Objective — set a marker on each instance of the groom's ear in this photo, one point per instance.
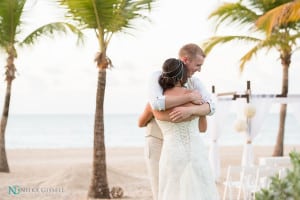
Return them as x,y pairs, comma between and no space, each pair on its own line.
184,59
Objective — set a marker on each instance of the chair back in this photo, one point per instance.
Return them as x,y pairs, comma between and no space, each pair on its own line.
275,161
241,179
263,176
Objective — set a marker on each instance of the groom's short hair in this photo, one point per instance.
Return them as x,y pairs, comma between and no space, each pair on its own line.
191,51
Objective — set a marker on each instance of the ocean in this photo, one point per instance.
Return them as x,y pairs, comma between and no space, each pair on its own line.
121,130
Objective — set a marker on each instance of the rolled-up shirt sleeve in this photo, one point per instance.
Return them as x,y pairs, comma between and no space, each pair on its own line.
156,97
198,85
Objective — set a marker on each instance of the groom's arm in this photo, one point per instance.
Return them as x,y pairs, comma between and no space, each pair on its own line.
181,113
198,85
162,102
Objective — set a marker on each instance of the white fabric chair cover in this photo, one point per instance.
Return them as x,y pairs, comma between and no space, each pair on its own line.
214,130
262,107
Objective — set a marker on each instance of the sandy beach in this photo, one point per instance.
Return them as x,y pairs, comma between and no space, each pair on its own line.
64,174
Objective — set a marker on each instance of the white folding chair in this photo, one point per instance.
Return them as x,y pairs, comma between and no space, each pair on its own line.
239,180
264,174
263,177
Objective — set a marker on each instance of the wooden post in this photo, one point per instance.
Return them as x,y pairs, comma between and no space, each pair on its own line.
248,91
248,85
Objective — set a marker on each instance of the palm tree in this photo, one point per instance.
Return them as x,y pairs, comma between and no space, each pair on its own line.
283,39
105,17
281,15
11,12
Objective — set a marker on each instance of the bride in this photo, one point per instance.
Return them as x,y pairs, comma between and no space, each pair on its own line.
184,171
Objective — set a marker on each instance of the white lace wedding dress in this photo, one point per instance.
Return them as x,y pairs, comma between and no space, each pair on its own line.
184,170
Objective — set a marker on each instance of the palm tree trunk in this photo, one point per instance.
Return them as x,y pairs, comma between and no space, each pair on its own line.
99,185
3,159
10,76
279,147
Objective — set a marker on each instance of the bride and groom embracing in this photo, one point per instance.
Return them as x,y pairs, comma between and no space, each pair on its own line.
176,156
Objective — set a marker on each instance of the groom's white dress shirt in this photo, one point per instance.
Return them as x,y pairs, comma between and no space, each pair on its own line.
157,99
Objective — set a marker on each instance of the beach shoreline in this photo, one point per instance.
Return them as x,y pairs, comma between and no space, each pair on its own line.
66,173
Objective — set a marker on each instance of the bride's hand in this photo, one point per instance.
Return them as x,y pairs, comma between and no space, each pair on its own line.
179,114
196,97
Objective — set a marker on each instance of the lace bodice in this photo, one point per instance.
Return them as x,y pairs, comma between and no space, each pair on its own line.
184,129
180,133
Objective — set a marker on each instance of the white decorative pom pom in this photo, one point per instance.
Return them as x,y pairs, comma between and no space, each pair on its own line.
240,125
249,111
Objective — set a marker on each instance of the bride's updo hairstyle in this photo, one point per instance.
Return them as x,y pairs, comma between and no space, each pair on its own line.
173,71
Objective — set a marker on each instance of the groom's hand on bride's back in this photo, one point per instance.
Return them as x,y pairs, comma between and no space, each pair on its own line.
185,113
180,114
196,97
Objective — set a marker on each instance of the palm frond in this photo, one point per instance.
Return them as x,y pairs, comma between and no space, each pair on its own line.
233,13
264,6
248,56
10,20
127,11
280,16
81,11
210,43
50,29
267,44
111,15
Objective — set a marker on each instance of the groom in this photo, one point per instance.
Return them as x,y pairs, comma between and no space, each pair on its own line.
193,57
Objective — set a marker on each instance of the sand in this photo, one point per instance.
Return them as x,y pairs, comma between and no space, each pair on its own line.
65,174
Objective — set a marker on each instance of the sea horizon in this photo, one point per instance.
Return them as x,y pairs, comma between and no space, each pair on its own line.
38,131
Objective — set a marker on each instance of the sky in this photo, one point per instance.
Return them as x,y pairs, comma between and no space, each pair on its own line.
56,76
